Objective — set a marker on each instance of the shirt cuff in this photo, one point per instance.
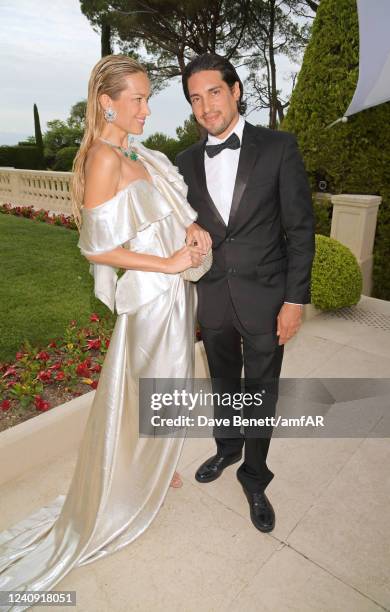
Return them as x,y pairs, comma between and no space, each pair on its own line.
294,303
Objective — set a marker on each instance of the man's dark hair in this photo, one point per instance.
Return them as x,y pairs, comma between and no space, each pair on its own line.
211,61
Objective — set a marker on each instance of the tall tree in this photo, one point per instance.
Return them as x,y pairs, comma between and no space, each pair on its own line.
105,38
273,30
38,137
76,117
98,15
165,34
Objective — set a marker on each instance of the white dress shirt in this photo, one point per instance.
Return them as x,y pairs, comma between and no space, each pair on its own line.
221,172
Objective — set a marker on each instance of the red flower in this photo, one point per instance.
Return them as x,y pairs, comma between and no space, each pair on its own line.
94,317
41,404
43,356
60,375
9,372
83,370
55,366
96,368
107,343
44,375
52,345
94,344
73,323
10,384
94,384
5,405
19,355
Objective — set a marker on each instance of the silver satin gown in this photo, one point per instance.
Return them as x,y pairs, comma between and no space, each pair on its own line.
120,479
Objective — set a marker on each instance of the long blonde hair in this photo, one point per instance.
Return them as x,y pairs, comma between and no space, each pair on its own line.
107,77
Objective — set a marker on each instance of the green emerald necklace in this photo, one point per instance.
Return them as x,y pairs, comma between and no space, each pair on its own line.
126,151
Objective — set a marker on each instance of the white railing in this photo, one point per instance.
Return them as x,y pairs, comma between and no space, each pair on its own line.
38,188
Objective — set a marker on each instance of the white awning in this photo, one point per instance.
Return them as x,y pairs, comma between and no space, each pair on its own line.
373,86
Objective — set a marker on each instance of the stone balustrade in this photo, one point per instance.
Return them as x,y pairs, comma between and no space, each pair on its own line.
37,188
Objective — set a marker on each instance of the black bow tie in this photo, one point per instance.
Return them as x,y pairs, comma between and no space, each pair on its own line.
233,142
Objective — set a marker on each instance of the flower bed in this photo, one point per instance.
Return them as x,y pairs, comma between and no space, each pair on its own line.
41,378
44,377
39,215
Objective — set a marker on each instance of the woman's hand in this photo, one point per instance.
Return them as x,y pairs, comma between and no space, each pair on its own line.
184,258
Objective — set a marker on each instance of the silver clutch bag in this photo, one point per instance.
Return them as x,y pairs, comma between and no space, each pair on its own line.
194,274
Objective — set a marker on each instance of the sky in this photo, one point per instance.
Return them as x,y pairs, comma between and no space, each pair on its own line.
47,51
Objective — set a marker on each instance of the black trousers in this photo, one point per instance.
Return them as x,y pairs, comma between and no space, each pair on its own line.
228,349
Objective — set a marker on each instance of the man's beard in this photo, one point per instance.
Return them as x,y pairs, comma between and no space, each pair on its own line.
219,129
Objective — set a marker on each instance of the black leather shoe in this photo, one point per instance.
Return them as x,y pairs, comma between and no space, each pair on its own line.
262,512
212,468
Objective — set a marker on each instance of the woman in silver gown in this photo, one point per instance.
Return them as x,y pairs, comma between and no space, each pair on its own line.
134,216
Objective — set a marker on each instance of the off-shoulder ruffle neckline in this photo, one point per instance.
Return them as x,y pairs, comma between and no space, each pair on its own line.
119,193
165,178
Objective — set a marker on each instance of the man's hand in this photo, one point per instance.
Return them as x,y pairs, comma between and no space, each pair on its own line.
198,237
289,321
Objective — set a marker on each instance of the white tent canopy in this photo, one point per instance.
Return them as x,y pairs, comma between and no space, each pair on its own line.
373,86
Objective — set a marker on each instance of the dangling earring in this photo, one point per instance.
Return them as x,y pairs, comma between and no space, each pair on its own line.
110,115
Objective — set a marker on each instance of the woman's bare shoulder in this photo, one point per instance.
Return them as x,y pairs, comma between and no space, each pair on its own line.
102,173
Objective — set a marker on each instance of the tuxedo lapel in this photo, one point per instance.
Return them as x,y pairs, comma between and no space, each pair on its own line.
249,153
200,174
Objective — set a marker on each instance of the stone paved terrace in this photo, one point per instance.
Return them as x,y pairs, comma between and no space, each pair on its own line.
330,549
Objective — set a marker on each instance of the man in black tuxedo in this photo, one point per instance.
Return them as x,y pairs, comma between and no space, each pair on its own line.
249,187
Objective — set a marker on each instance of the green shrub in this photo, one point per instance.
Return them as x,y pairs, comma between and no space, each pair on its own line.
163,143
25,157
187,135
64,159
353,157
336,277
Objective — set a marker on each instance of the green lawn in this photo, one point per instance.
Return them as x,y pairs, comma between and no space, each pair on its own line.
45,283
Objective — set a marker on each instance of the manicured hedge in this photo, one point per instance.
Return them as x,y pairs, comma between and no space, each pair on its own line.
353,157
23,157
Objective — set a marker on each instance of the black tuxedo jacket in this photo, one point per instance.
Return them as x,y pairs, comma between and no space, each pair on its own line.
264,255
